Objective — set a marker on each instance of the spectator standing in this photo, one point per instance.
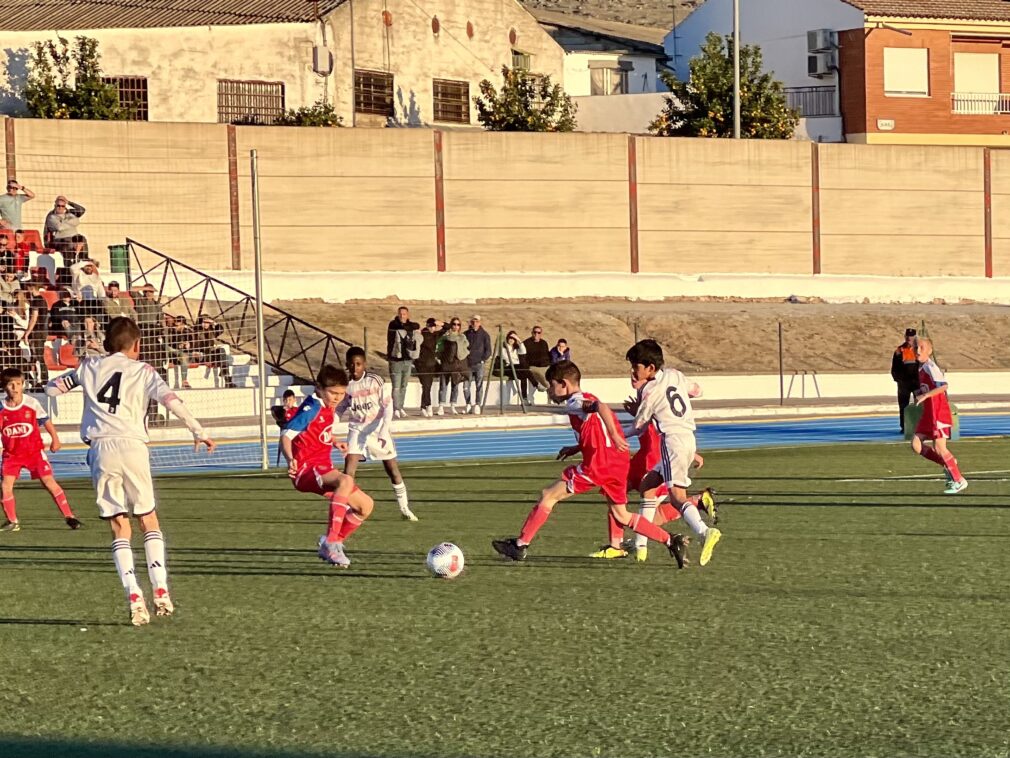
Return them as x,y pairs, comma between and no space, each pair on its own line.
561,352
20,316
151,323
11,202
206,348
87,287
116,304
538,360
38,330
61,230
402,349
455,370
9,285
426,365
479,345
178,346
905,373
511,366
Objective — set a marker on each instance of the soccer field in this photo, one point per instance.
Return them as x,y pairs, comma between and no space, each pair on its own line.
850,610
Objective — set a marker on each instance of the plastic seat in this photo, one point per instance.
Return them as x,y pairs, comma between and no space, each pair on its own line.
68,357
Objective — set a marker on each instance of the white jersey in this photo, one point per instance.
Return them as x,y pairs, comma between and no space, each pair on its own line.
665,402
368,401
117,390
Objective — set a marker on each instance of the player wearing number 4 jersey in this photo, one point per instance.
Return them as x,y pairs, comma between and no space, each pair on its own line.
117,388
665,403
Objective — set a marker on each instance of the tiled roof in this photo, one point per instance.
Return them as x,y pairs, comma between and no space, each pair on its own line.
46,15
977,10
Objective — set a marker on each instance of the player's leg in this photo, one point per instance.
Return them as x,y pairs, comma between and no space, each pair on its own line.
10,508
351,461
648,487
361,508
122,555
514,548
956,481
676,457
399,488
157,564
675,543
60,498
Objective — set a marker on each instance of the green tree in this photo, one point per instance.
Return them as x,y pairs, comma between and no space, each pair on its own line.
66,82
703,106
320,113
526,103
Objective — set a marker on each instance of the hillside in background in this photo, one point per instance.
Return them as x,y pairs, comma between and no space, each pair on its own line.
658,13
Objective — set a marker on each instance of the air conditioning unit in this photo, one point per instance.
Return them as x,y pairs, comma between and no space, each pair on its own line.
822,40
821,65
322,60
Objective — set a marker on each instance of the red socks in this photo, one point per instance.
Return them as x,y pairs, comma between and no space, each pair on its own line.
60,498
338,510
930,454
533,523
10,511
351,523
950,463
643,526
615,529
666,512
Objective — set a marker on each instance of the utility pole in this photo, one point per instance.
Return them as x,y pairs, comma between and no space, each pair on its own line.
736,69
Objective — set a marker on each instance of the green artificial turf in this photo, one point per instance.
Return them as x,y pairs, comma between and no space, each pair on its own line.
837,618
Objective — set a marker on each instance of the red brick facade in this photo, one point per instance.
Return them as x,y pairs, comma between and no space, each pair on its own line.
861,64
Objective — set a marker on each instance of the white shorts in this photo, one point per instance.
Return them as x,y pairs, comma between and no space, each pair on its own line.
121,473
676,456
370,445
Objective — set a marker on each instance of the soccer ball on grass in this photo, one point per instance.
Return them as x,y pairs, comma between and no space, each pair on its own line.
445,561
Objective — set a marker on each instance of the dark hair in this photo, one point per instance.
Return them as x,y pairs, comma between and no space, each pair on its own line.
354,352
563,370
10,373
645,353
121,334
19,231
331,376
562,339
288,393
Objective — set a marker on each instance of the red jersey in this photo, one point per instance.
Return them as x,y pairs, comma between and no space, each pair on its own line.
19,427
595,442
936,420
647,456
311,432
289,413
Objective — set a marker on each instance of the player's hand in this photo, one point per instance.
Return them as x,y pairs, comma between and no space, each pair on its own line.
918,398
631,406
567,452
341,446
55,445
208,443
622,445
292,468
698,461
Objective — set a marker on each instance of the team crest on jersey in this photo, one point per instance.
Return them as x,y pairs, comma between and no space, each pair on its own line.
326,435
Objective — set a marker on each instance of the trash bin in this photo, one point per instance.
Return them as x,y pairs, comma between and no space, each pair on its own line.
914,412
119,259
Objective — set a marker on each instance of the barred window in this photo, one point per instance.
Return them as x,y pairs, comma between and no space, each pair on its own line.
132,94
451,101
521,60
373,93
249,102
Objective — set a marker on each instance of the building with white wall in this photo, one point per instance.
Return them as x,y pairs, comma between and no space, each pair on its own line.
393,61
780,28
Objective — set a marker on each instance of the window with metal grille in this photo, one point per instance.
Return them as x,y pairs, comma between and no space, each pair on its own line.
132,94
521,60
451,101
249,102
373,93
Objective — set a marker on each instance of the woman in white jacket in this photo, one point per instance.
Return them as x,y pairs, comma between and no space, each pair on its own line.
512,363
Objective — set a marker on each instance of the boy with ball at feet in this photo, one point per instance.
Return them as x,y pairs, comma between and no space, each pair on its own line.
604,466
307,444
936,422
117,389
20,417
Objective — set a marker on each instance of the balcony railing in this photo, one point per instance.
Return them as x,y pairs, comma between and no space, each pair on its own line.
812,102
980,103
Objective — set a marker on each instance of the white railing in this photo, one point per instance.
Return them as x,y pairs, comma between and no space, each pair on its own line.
980,103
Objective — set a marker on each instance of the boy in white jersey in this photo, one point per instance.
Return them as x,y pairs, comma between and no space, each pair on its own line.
665,402
369,404
117,388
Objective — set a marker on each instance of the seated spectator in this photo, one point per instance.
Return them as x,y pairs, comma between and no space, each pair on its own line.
561,352
206,349
117,304
38,330
9,285
20,316
61,232
87,287
22,251
510,365
64,316
178,346
89,341
6,254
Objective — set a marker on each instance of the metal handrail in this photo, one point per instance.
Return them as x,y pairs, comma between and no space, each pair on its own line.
222,306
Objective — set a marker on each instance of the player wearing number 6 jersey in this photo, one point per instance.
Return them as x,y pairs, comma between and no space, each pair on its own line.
665,403
117,388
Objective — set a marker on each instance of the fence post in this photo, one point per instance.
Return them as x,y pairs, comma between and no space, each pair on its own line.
439,205
364,339
987,204
633,201
782,373
815,205
236,236
10,145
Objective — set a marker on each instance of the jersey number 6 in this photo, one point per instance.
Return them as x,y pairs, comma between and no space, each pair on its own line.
109,393
677,404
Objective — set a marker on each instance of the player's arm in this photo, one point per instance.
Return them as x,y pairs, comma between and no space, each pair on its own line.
613,428
61,385
386,409
940,389
288,452
643,416
160,391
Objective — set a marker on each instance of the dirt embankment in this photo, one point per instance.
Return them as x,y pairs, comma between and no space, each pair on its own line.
711,336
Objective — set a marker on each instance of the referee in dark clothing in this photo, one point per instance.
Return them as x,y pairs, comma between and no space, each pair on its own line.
905,373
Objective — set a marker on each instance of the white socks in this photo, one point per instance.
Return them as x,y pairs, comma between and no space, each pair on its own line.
647,510
689,511
400,490
122,554
154,547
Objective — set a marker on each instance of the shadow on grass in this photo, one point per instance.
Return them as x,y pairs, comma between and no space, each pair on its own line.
32,747
51,622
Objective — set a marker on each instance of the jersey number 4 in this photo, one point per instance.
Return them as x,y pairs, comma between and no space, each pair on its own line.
677,404
109,393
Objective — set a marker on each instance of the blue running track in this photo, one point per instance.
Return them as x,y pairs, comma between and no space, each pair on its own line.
497,444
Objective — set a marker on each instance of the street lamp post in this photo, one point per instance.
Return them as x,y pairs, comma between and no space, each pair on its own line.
736,69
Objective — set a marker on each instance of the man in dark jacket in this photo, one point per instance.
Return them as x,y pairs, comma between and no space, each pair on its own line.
402,349
905,372
480,350
538,360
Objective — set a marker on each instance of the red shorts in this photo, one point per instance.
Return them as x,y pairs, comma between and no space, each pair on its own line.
310,479
612,482
935,427
38,465
640,466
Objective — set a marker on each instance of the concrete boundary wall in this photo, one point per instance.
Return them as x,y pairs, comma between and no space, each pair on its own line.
394,200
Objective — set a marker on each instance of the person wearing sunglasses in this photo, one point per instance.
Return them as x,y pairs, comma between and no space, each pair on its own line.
538,360
453,356
61,232
11,202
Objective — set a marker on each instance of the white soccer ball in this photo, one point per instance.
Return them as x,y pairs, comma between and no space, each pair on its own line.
445,561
